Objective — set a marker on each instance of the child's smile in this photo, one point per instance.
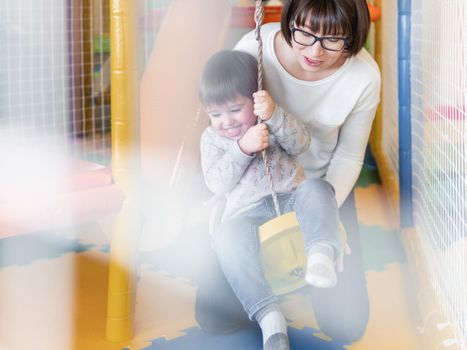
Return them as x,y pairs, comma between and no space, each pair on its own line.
233,118
233,132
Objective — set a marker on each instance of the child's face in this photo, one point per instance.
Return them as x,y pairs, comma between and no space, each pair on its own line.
233,118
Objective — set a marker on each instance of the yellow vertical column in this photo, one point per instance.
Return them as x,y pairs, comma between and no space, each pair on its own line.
389,179
376,135
125,165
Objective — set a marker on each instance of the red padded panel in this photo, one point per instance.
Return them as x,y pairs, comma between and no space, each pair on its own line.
77,175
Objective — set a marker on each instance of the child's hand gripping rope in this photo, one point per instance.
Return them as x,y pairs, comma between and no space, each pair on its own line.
256,139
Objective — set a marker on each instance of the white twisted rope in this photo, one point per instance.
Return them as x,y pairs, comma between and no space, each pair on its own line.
259,15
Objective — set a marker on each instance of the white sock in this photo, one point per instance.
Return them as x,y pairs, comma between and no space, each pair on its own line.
273,322
321,271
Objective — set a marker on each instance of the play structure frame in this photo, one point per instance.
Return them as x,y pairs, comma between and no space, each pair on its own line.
124,121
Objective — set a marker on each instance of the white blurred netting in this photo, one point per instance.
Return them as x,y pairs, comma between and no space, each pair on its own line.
439,111
54,81
389,80
55,72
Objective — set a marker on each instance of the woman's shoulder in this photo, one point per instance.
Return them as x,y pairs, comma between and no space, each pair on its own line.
248,42
270,28
364,66
365,79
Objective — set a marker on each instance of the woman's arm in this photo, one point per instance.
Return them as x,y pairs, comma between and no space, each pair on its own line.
347,160
346,163
222,168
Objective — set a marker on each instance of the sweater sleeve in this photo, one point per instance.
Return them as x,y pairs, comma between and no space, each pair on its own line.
346,163
293,134
222,167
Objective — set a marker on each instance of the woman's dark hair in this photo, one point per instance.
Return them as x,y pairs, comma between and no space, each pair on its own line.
333,17
226,74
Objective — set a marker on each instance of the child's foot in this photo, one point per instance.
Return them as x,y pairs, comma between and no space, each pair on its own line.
274,328
320,270
277,341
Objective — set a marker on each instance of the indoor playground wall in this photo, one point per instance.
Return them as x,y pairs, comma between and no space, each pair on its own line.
436,239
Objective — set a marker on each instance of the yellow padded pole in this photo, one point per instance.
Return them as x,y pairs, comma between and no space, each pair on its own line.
123,248
376,133
389,179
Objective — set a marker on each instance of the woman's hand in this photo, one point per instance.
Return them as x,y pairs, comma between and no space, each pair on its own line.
255,139
263,105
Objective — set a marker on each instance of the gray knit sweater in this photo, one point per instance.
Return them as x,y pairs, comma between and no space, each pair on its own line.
242,178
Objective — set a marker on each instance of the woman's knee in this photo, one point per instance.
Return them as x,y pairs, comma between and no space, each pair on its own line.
344,319
343,313
346,328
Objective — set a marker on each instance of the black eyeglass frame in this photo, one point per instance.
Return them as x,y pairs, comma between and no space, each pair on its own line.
320,39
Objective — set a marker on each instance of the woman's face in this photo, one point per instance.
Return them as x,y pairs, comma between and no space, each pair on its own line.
315,60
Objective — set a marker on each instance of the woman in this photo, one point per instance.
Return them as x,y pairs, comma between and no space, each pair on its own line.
316,69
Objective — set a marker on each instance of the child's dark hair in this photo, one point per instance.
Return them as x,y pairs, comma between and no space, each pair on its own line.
226,74
332,17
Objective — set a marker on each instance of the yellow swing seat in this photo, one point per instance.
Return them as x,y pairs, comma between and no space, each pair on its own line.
283,253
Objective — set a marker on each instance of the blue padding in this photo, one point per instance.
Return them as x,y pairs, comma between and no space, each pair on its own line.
404,87
405,129
403,45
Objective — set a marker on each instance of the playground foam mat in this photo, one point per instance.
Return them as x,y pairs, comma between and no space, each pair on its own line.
54,289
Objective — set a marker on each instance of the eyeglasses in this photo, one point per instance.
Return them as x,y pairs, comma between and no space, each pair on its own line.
330,43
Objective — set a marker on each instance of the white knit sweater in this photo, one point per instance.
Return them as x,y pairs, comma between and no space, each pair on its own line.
339,109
